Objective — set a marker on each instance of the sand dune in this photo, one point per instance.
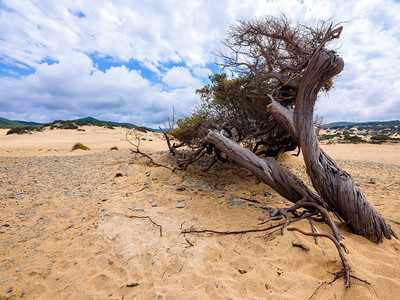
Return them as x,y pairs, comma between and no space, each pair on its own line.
71,228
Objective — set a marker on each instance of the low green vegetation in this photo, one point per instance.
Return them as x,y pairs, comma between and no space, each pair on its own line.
354,139
382,137
370,132
188,129
24,129
20,127
80,146
142,129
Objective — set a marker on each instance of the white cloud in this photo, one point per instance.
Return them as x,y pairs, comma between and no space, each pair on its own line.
179,77
160,35
73,88
201,72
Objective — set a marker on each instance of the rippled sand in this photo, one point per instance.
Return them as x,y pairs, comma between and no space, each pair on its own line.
68,230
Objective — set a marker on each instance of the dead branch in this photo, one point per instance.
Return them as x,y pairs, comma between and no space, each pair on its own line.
137,151
172,148
147,217
294,244
230,232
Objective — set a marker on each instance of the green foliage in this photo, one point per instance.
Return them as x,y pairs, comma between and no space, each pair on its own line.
382,137
240,102
142,129
80,146
5,123
74,124
329,136
187,130
24,129
354,139
61,124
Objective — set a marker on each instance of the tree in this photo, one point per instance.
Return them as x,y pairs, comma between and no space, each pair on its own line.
280,70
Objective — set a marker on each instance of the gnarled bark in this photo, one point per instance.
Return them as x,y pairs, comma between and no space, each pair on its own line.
267,170
335,186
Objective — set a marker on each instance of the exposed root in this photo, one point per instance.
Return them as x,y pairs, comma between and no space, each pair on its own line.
337,276
346,269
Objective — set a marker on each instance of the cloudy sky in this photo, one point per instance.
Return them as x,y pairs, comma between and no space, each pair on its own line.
132,60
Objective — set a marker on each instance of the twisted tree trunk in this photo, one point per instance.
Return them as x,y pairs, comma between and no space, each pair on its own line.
267,170
335,186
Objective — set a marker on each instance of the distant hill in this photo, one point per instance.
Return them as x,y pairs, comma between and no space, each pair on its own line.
106,122
366,132
5,123
23,126
335,124
370,125
29,123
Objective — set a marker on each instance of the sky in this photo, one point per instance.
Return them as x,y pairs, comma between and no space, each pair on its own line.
132,61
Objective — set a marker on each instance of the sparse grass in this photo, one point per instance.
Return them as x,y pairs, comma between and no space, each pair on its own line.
80,146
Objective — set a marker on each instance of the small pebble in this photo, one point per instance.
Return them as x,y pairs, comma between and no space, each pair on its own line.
181,188
180,205
137,208
10,290
275,212
154,205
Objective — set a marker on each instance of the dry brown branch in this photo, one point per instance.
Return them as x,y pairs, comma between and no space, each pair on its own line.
294,244
230,232
147,217
346,268
137,151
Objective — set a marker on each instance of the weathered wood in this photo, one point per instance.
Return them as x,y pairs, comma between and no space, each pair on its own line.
333,184
267,170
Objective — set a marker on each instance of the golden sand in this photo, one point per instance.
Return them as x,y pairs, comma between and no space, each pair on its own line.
70,228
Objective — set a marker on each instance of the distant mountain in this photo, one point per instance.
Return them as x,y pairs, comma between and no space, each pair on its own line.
370,125
334,124
29,123
106,122
5,123
366,132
